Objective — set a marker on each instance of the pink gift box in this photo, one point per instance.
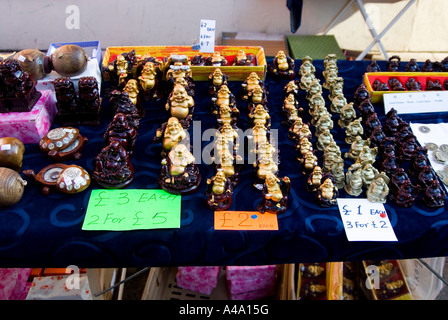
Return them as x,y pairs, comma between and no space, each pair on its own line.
193,285
31,126
13,283
253,295
209,280
203,275
236,286
250,272
60,287
202,271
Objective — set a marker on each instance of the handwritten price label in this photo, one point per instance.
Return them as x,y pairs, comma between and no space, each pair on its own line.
207,36
121,210
245,220
365,221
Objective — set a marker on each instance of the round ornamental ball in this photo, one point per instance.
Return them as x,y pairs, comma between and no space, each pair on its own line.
32,61
11,153
69,60
12,187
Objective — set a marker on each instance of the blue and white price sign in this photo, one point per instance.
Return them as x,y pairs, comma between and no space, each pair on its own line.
365,221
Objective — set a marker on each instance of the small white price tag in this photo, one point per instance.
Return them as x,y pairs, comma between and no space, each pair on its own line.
207,36
365,221
5,147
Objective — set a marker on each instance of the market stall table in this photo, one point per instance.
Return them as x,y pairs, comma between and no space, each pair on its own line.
45,231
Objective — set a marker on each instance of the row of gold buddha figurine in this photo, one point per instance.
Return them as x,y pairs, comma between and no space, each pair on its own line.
224,107
225,157
179,173
275,189
150,72
129,65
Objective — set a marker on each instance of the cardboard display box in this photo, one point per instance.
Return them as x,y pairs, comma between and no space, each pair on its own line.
92,49
392,284
329,281
271,44
200,73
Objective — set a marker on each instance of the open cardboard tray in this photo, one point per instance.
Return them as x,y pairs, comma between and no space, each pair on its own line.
332,279
396,274
403,77
200,73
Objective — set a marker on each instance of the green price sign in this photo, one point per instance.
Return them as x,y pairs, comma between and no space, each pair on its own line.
121,210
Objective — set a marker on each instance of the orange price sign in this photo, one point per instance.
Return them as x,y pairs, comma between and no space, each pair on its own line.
245,220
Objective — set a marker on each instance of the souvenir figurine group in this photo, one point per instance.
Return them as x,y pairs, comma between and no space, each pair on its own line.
385,156
324,176
392,164
394,64
227,159
113,167
412,82
179,173
385,160
78,108
264,152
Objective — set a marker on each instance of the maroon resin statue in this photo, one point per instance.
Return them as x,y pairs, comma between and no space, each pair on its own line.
89,101
434,195
17,90
113,167
121,103
66,101
120,130
407,194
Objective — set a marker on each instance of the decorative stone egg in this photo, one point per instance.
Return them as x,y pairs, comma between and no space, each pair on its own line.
69,60
12,187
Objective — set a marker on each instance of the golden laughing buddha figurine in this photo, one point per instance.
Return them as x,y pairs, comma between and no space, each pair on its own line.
180,105
283,66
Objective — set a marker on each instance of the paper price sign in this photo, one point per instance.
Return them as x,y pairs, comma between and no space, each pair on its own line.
121,210
416,102
207,36
365,221
245,220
